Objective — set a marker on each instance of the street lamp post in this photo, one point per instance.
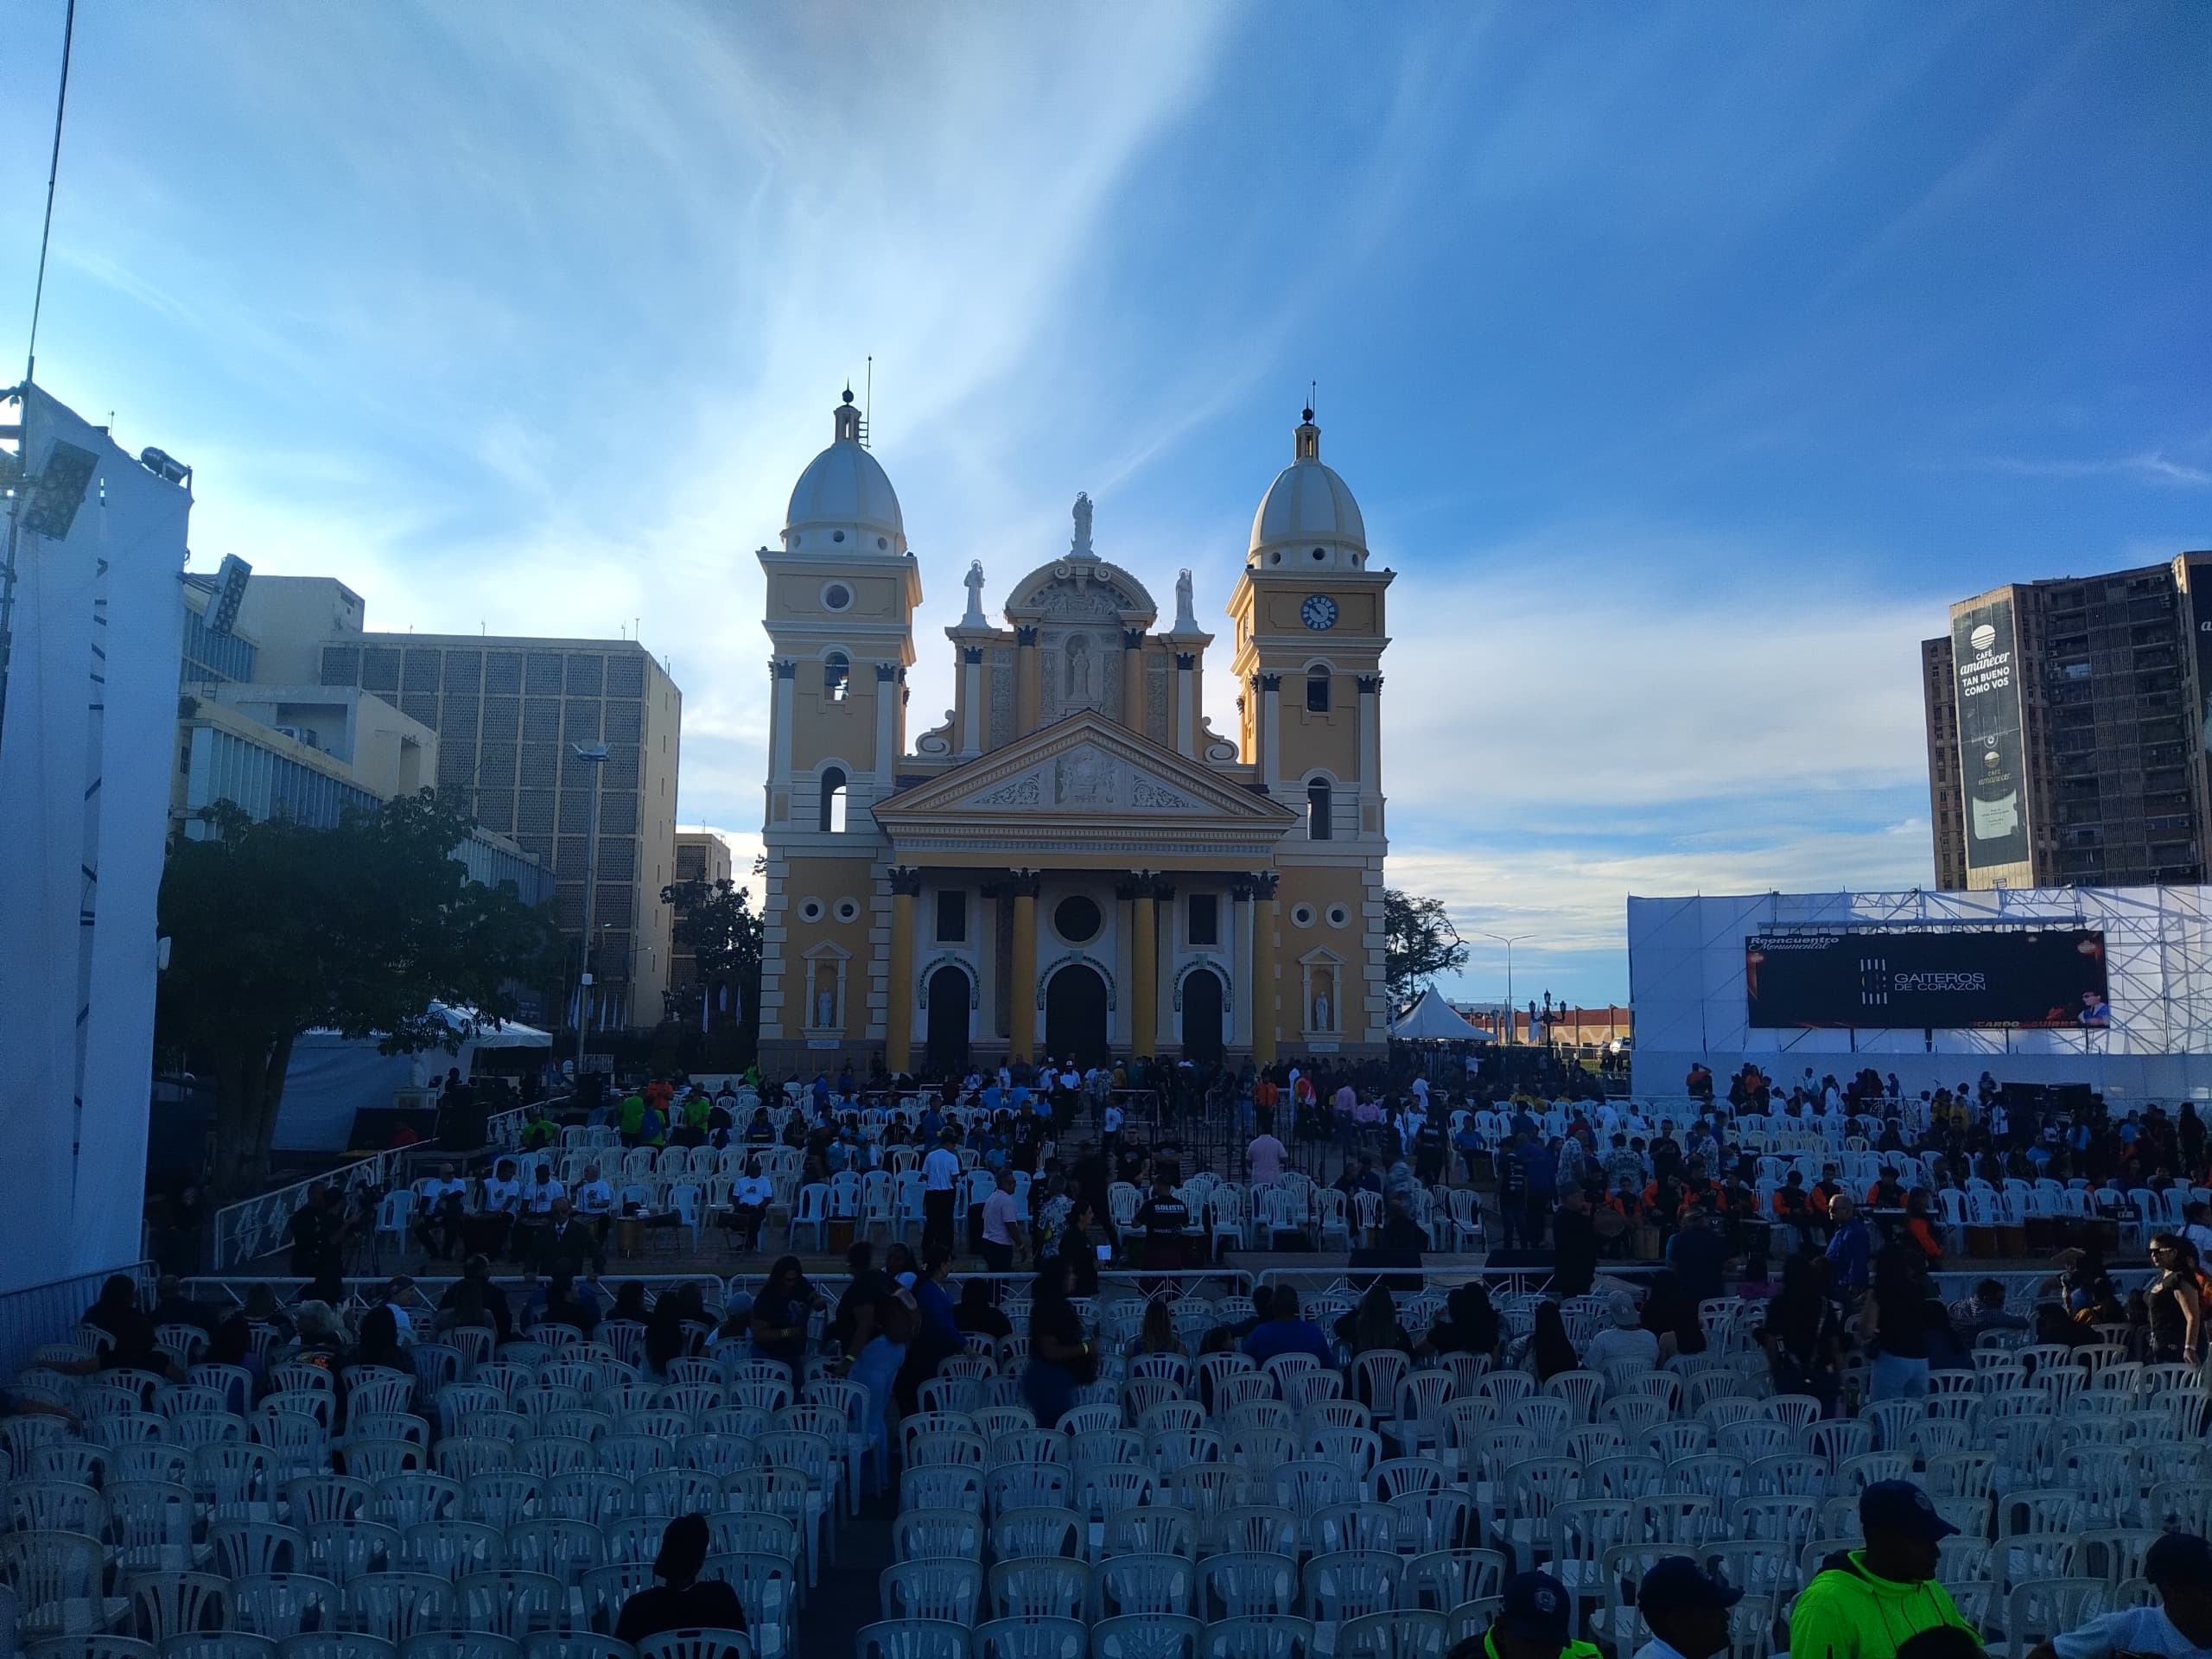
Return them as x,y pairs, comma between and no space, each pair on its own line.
594,756
1506,1034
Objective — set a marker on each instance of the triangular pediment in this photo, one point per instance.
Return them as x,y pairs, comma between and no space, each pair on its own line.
1085,767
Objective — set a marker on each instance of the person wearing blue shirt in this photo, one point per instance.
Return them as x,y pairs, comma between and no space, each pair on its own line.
1851,1249
1286,1331
1541,1164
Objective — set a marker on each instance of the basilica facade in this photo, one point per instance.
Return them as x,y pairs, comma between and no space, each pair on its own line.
1074,864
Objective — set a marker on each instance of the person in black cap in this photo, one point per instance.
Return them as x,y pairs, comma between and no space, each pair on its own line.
2180,1566
1687,1608
680,1601
1865,1604
1536,1620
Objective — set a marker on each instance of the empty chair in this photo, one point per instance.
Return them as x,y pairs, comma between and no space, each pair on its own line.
1030,1638
951,1590
164,1605
1239,1585
937,1534
1040,1587
1283,1638
281,1604
1352,1584
336,1644
396,1606
511,1602
1137,1637
917,1638
461,1645
1395,1636
1152,1584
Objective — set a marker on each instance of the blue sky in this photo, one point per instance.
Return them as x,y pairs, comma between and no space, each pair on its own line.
1686,360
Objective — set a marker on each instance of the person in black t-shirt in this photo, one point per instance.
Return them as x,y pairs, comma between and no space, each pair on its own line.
680,1601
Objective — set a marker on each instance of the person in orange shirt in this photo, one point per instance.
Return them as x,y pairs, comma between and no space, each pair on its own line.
1920,1227
1825,1190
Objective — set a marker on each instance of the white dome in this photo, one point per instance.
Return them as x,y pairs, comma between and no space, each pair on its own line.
844,499
1308,515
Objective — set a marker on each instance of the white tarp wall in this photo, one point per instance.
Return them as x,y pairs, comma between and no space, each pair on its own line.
1686,979
84,760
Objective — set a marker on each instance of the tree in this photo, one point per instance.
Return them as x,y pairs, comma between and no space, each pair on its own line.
716,921
1419,943
276,928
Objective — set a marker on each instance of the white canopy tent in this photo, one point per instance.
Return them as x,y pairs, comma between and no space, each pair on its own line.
332,1078
1433,1019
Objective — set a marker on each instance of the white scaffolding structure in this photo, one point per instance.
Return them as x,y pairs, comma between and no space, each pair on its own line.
1686,974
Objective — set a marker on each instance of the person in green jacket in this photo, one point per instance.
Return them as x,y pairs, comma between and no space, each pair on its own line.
1866,1604
633,1117
1536,1620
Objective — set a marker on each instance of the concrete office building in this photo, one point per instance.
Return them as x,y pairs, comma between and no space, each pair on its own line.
2067,731
705,857
507,714
301,750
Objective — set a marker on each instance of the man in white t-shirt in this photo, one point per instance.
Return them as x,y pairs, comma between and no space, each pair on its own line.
1111,1120
539,1197
1625,1338
749,1198
1266,1154
1001,1225
498,1202
439,1200
940,1176
2180,1566
594,1200
1420,1094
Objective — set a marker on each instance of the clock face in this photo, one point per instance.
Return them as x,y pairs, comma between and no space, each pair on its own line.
1319,612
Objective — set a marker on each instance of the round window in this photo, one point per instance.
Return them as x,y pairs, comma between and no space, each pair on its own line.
1077,920
847,910
1338,916
1320,552
810,910
836,596
1302,915
839,535
1275,558
883,540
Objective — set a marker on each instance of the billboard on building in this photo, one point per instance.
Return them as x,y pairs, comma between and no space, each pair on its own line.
2200,613
1952,980
1984,647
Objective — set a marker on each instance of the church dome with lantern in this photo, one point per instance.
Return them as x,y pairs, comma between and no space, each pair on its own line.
843,500
1308,519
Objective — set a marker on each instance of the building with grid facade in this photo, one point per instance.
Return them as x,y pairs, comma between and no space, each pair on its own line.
303,751
508,714
2067,731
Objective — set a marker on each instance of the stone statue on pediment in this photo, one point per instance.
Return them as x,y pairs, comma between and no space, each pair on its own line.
1080,547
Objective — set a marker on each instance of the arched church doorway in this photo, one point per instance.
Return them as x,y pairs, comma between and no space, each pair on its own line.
1075,1015
1202,1016
947,1055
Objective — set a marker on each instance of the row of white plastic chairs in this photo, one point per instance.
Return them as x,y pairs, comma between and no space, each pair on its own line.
428,1645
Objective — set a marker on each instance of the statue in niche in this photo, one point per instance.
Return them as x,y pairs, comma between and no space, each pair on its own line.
1323,982
825,998
1079,670
1080,547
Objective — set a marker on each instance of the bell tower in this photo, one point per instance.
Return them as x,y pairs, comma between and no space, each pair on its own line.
1310,634
841,591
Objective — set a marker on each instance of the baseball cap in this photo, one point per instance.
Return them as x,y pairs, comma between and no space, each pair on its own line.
1622,1308
1535,1607
2177,1557
1900,1506
1677,1584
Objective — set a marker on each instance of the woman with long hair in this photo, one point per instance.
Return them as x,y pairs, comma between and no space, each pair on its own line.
1547,1350
2174,1299
780,1315
664,1336
1157,1334
1803,1335
1061,1355
1469,1325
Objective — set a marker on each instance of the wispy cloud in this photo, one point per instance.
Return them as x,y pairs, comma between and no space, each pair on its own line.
2150,466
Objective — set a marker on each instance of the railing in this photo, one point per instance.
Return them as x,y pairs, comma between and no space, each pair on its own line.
504,1129
37,1314
256,1226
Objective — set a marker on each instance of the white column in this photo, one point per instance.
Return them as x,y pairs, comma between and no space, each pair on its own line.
1271,731
1186,713
1241,938
780,748
887,729
1370,740
971,700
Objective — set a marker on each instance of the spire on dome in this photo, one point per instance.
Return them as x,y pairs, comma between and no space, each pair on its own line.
845,419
